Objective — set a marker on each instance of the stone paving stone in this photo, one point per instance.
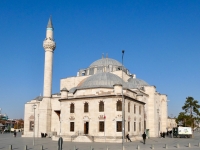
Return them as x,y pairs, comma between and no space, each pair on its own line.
18,143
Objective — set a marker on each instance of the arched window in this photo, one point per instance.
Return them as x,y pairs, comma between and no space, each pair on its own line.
101,106
134,108
86,107
129,107
72,108
119,105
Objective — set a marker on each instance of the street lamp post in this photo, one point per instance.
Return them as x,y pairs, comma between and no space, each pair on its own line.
123,113
60,119
158,122
38,125
104,127
34,107
10,125
172,125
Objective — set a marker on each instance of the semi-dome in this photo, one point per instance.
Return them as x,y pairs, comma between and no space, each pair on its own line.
105,62
72,90
39,98
136,83
104,79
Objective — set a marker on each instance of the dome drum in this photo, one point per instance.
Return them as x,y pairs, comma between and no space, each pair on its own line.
102,65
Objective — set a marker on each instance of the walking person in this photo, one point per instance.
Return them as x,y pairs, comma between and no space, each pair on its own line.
144,137
161,135
127,136
15,133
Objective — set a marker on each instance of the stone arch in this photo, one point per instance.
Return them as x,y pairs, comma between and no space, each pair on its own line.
72,107
71,118
86,119
118,118
86,107
101,106
129,106
31,118
119,105
102,117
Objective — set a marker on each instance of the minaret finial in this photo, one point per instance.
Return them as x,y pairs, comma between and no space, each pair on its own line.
106,55
50,25
102,55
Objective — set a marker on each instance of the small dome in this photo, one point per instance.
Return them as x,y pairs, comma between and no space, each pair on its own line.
39,98
106,62
136,83
104,79
64,89
72,90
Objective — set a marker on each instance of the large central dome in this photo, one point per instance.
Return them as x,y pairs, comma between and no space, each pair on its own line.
104,79
105,62
136,83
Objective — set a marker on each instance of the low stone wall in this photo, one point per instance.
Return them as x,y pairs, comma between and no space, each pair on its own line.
88,138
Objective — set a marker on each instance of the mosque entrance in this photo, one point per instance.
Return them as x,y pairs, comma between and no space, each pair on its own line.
86,127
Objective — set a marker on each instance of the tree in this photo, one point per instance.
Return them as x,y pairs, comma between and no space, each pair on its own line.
191,108
183,119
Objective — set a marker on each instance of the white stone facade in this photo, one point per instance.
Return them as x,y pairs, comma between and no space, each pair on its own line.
90,104
171,123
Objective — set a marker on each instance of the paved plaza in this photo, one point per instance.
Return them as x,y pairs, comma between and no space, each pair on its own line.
19,143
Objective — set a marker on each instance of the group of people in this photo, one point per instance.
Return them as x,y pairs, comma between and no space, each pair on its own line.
143,136
43,135
163,134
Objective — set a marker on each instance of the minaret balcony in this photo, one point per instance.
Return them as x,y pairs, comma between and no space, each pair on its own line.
49,44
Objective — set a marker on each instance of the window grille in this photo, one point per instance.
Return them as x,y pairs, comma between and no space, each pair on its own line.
119,126
101,106
31,125
72,108
86,107
72,126
119,106
134,126
134,109
101,126
129,107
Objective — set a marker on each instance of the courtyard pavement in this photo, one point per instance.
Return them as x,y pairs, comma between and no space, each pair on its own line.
19,143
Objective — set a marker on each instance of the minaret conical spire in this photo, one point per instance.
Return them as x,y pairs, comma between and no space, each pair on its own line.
49,46
50,25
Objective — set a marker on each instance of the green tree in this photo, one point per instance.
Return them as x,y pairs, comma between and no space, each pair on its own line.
191,108
181,119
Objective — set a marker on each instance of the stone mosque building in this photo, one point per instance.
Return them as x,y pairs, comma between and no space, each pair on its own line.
89,106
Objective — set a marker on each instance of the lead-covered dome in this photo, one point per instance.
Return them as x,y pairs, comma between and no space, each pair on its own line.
104,79
105,62
136,83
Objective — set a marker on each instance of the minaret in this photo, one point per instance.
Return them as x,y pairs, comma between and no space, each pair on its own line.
45,109
49,46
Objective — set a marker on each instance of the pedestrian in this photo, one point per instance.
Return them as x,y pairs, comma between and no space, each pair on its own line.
170,132
144,137
60,143
127,136
15,133
163,134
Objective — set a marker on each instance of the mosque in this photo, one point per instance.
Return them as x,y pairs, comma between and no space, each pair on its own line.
91,106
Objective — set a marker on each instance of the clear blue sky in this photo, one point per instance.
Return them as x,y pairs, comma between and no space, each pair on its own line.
161,40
